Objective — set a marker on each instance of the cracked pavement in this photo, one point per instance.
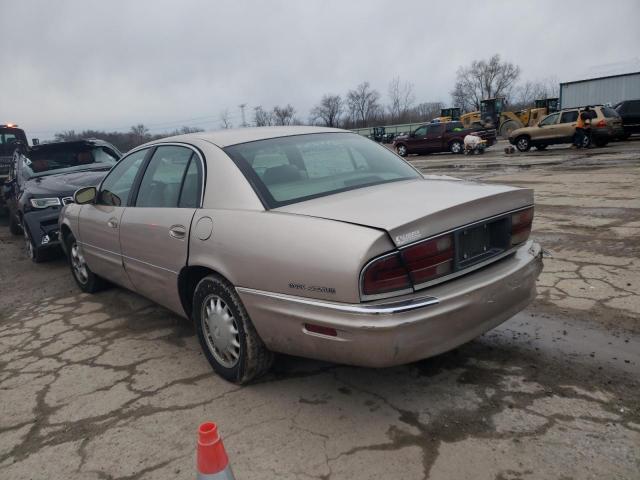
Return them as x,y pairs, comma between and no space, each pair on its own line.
112,386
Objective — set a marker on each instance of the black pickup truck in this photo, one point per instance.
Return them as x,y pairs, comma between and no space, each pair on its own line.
440,137
11,137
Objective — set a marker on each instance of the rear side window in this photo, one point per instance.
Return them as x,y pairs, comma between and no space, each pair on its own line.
568,117
610,112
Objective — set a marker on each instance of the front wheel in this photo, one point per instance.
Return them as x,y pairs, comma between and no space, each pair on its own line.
227,336
523,144
14,225
88,281
456,147
34,253
402,150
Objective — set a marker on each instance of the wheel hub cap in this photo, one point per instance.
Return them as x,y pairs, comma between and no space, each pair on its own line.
78,264
220,331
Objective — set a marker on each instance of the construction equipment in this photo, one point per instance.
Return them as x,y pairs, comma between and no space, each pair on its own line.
492,114
449,115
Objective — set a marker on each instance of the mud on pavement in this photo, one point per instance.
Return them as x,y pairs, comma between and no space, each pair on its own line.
111,386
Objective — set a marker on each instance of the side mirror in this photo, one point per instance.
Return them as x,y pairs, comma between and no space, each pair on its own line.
85,195
412,135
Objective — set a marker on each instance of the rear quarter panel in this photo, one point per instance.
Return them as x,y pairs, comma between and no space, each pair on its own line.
285,253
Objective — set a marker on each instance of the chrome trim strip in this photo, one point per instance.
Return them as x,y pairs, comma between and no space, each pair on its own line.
378,309
128,258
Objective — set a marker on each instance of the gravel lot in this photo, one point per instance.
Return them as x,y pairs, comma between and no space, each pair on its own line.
111,386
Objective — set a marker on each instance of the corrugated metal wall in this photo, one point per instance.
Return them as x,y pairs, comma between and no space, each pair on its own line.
604,90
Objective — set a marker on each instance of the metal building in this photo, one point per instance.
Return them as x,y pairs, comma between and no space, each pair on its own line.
594,91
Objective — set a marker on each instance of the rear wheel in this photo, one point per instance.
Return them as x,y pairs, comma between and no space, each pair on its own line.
601,142
402,150
456,147
227,336
541,147
523,143
88,281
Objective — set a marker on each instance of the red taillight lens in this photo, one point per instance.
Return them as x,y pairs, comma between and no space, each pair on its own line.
385,275
429,260
601,124
521,226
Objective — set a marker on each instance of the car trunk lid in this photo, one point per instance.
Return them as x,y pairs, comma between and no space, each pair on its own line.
416,209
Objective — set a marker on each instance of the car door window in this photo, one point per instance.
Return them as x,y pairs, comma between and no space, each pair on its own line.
116,187
549,120
434,130
569,117
162,180
420,132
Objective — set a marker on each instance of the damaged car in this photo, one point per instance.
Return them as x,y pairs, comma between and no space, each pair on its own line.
308,241
43,178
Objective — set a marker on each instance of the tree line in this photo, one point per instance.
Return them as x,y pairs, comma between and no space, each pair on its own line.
365,106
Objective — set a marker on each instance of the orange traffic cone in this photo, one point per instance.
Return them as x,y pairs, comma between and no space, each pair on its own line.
213,463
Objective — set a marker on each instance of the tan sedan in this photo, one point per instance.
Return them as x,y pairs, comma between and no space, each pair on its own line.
308,241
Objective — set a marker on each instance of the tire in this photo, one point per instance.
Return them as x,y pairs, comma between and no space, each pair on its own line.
35,254
227,336
88,281
456,147
523,144
541,147
601,143
14,225
507,127
402,150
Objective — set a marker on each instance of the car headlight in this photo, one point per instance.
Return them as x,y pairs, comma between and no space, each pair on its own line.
45,202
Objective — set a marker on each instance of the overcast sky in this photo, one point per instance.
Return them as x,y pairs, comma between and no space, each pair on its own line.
109,64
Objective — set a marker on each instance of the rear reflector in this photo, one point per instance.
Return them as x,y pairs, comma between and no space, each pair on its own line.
385,275
521,226
331,332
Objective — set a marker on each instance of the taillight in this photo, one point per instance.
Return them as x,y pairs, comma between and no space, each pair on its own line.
385,275
429,260
601,124
521,226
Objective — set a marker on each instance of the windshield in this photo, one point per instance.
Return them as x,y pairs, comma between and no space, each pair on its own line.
65,159
297,168
9,138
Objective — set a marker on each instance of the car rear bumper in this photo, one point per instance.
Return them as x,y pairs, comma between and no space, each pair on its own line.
404,330
607,132
43,227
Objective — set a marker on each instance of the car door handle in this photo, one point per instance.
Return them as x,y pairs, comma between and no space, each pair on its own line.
113,223
177,231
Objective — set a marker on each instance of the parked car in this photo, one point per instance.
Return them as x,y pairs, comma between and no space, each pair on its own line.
560,127
308,241
439,137
43,178
629,111
11,137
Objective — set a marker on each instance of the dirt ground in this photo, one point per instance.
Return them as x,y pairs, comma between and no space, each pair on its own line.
111,386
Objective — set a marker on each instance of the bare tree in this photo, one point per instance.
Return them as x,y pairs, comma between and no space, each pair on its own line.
484,79
139,134
225,119
328,111
262,117
363,103
401,99
427,110
527,93
284,115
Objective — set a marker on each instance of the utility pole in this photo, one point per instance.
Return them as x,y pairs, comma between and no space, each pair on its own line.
242,107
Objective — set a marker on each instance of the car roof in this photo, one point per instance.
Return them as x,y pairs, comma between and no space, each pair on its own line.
87,142
234,136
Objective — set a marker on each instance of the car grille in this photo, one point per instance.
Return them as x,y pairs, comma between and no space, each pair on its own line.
5,165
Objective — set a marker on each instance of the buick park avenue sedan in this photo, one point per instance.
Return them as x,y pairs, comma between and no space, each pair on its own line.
308,241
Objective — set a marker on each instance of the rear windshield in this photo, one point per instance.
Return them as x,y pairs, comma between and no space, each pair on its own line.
610,112
48,161
9,138
293,169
